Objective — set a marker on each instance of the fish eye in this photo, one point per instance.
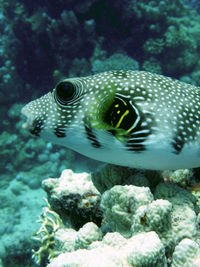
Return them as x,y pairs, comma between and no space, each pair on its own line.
65,92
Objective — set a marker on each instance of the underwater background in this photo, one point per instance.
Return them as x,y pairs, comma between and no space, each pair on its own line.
42,42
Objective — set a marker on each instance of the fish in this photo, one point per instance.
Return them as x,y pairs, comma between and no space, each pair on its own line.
130,118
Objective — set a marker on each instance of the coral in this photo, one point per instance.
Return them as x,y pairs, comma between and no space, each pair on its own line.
141,250
186,253
165,34
87,234
120,203
25,150
146,249
30,161
152,65
139,228
55,239
183,214
50,223
65,239
131,209
154,46
113,239
175,194
176,35
69,20
74,194
108,175
79,67
181,177
68,35
193,4
103,257
39,21
116,61
152,217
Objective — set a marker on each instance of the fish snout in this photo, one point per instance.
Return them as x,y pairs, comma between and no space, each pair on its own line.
29,118
32,123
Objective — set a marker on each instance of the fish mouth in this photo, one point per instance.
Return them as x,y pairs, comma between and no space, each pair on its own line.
29,118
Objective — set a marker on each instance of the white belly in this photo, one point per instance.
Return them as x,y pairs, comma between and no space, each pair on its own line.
157,156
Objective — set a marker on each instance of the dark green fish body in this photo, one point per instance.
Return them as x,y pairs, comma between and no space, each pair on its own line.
129,118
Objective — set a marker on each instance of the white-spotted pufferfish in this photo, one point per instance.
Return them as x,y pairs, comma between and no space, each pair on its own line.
129,118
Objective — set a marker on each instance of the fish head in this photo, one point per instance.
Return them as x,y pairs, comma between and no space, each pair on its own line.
54,111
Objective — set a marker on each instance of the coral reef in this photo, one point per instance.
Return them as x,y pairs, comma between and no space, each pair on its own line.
140,227
164,39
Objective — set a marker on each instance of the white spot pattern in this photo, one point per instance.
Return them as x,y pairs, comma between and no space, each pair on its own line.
170,108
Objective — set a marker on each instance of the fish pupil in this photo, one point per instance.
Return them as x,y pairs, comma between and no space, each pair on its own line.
65,92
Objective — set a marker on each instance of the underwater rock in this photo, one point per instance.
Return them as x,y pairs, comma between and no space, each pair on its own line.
74,194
